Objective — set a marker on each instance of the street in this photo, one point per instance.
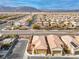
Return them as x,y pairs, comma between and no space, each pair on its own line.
19,50
40,32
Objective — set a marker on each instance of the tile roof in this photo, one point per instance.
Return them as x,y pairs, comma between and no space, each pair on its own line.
77,38
39,42
54,41
70,41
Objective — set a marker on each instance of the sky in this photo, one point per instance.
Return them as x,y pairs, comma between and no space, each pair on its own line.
43,4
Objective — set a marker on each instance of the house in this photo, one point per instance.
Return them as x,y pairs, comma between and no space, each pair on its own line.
72,24
39,45
39,23
77,38
46,23
53,24
55,45
72,44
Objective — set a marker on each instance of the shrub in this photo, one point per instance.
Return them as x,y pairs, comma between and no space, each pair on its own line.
35,26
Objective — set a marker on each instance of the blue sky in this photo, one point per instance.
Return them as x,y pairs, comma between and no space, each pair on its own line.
47,4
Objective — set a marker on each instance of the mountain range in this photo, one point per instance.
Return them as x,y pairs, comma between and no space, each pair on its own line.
32,9
18,9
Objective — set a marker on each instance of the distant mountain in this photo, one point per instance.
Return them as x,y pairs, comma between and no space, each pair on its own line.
60,10
32,9
18,9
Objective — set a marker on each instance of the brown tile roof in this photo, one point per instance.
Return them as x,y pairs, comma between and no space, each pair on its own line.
54,41
39,42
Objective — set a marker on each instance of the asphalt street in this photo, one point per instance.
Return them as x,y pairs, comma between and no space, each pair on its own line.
19,50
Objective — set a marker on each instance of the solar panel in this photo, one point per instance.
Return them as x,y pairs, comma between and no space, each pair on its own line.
73,44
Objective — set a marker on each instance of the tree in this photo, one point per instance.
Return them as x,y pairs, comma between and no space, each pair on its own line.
23,28
29,21
35,26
